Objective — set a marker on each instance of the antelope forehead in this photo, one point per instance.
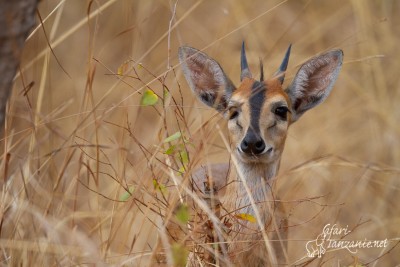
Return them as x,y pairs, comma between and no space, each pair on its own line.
256,102
257,96
263,96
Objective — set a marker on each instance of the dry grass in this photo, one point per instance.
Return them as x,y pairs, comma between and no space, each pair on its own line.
77,138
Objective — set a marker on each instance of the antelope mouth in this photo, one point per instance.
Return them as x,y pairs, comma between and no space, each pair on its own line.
265,155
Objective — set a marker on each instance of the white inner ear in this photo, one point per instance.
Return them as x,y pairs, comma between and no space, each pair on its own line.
314,81
202,72
314,77
205,77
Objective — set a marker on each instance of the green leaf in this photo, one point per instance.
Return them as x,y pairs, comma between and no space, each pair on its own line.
127,194
159,186
184,157
182,214
179,255
246,217
149,98
173,137
181,170
170,150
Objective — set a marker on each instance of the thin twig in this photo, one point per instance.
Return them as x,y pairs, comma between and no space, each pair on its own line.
169,35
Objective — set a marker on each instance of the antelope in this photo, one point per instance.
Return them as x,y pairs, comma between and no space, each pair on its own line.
258,114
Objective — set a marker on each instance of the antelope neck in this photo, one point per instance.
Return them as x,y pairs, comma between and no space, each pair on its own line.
257,177
255,173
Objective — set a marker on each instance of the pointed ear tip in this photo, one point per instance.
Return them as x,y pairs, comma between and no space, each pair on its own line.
183,49
338,54
340,51
186,51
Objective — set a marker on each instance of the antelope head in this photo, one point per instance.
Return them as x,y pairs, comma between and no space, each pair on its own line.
259,112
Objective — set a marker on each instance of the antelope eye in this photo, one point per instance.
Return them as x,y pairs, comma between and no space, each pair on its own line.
281,112
233,114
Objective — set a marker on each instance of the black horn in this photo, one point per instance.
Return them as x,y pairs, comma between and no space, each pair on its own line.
283,67
261,70
245,71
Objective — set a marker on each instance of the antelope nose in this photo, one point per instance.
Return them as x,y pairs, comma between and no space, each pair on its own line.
252,145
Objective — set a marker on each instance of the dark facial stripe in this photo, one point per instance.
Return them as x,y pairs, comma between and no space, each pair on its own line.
256,102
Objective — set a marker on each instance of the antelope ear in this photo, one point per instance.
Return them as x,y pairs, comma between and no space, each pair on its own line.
206,78
314,81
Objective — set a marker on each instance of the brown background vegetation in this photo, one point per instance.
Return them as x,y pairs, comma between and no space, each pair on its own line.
76,136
